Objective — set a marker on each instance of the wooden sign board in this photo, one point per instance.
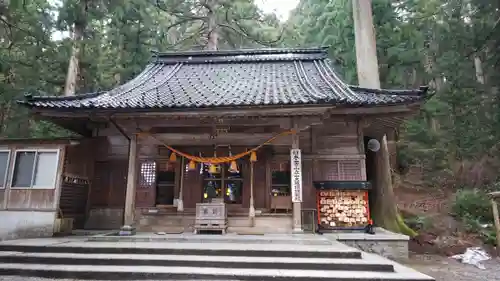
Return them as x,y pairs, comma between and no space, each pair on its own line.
296,171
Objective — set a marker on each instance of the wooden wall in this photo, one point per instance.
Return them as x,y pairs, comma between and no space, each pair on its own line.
330,152
30,199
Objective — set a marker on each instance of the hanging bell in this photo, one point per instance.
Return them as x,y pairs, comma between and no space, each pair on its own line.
192,165
233,168
253,157
173,157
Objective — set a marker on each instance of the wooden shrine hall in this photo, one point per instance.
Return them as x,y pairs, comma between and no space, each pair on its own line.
260,136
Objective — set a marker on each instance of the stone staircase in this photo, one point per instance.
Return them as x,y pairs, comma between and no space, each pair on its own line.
198,258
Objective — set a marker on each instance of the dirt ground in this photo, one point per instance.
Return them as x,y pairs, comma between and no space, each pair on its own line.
448,269
442,237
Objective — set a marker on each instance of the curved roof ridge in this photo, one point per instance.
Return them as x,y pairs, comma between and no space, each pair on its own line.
30,97
310,50
411,92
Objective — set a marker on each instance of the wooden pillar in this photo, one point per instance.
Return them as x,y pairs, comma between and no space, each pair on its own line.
297,206
496,218
180,202
251,209
131,182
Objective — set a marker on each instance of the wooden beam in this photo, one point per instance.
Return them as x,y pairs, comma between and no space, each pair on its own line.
233,139
496,218
222,112
261,112
296,206
281,122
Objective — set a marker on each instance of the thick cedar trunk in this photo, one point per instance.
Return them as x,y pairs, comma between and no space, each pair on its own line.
213,35
366,47
118,62
384,209
385,213
73,67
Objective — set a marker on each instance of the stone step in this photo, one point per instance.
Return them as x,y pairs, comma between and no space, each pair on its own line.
78,258
196,261
335,250
228,238
104,272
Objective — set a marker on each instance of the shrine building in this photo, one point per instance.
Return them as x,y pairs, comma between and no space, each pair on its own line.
264,135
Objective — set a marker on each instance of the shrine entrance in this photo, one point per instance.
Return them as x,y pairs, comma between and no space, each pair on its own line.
223,181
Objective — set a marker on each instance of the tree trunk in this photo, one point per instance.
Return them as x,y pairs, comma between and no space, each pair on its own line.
366,46
213,35
478,65
118,62
73,67
384,209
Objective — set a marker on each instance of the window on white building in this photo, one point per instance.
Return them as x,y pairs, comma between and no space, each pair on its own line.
4,164
35,168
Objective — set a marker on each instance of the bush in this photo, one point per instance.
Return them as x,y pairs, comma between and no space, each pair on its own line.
472,205
418,223
473,208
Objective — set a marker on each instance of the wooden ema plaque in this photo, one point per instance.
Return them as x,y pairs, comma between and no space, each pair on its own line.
342,205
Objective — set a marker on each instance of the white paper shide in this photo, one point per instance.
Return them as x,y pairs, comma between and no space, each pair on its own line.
296,170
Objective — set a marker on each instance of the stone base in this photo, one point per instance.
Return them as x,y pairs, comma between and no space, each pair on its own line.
26,224
127,230
104,218
385,243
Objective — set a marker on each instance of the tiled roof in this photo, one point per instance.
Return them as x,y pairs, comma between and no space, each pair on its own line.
232,78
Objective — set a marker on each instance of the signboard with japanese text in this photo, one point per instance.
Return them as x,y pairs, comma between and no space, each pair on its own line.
296,171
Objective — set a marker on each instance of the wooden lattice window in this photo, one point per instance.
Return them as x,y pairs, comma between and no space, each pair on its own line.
329,170
350,170
147,174
341,170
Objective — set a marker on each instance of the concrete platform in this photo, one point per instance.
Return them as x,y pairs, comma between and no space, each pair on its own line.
78,258
303,239
332,250
385,243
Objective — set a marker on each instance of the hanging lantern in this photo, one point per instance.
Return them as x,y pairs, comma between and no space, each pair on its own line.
192,165
233,168
253,157
212,169
173,157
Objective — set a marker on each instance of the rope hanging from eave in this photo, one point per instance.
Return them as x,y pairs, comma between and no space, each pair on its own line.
214,160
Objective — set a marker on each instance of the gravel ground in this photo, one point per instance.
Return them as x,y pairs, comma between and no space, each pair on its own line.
448,269
441,268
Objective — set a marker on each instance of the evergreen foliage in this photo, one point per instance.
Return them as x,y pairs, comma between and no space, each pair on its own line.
451,45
